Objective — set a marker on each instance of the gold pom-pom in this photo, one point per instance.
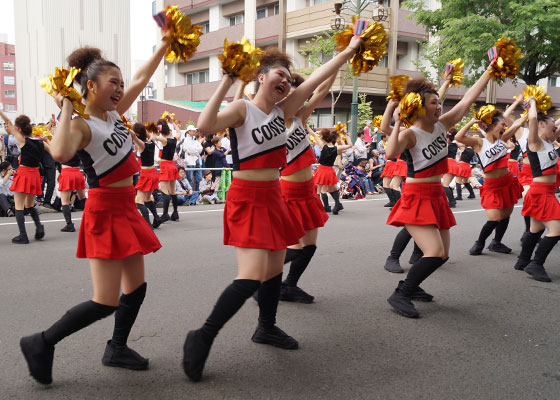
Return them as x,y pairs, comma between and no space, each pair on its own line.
240,59
398,82
544,102
186,36
507,65
126,122
61,83
168,116
340,129
151,128
411,107
485,114
312,139
41,130
377,121
474,127
457,73
374,46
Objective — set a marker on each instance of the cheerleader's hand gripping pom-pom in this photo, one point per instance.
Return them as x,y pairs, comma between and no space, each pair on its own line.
374,46
485,115
507,62
151,128
126,122
340,129
410,108
377,121
457,73
42,130
185,37
61,84
168,116
240,59
397,82
474,127
542,100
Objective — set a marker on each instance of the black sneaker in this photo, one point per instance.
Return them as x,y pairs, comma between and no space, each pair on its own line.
123,357
418,294
389,204
164,218
156,222
275,337
39,357
471,196
477,248
498,247
40,232
68,228
537,272
20,239
521,264
327,208
195,353
458,198
392,265
337,207
403,304
414,257
295,294
175,216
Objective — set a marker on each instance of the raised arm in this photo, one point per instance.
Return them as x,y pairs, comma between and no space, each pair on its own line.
71,134
534,141
212,119
240,90
399,141
11,129
318,95
461,136
385,125
139,144
177,129
511,108
318,139
445,86
519,122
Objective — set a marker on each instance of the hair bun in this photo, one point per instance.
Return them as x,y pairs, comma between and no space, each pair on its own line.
82,58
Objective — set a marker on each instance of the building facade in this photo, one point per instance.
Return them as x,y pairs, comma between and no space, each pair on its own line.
8,91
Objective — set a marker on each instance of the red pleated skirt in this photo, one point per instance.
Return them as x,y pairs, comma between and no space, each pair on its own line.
463,170
452,166
303,202
71,179
168,170
112,228
400,169
541,203
257,217
27,180
388,169
325,176
422,204
500,193
513,166
148,181
525,176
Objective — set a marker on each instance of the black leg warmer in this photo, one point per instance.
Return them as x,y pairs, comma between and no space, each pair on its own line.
501,229
268,298
544,248
152,207
144,211
486,230
129,305
34,215
291,254
470,189
166,200
528,246
298,266
422,269
175,202
20,219
459,192
67,214
399,244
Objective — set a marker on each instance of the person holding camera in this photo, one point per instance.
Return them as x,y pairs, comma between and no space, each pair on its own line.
6,195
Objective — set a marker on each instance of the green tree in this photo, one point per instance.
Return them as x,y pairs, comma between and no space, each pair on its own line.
468,28
365,113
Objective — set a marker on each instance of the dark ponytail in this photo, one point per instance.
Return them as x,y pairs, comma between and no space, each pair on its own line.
91,63
24,124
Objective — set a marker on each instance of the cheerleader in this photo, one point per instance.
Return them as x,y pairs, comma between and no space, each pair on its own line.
452,167
113,235
149,178
168,171
540,203
325,176
423,208
71,179
514,150
27,180
500,190
256,219
464,172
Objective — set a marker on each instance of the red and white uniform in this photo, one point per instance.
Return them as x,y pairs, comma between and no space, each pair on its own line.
149,177
71,178
525,176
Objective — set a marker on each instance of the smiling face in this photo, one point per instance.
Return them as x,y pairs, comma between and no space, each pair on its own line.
433,108
107,90
275,83
548,130
498,128
182,173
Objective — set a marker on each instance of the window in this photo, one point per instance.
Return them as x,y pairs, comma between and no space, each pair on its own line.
8,66
10,93
317,2
205,27
276,9
10,107
554,81
236,20
197,77
383,62
9,80
261,13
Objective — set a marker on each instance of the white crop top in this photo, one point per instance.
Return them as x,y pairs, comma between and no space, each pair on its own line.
430,149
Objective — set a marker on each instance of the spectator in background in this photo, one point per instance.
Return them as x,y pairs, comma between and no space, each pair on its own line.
3,147
367,133
220,154
208,189
381,148
208,151
360,149
13,151
184,191
192,148
374,170
6,196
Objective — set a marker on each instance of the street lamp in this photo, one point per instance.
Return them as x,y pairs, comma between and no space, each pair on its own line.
380,13
337,21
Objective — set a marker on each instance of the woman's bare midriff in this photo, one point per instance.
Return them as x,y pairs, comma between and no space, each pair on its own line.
429,179
496,173
545,179
122,183
302,175
261,174
152,167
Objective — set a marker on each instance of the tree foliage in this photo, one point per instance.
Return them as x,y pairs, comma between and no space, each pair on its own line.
365,113
468,28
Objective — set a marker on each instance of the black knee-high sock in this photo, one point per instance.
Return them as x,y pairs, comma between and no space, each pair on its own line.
418,250
400,243
422,269
459,191
291,254
449,194
268,298
528,246
325,200
166,200
67,214
230,301
34,215
144,211
396,195
129,305
152,207
298,265
76,318
527,223
501,229
336,197
470,189
544,248
20,219
390,194
175,202
486,230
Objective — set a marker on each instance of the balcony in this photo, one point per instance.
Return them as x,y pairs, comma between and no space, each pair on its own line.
374,82
410,27
197,92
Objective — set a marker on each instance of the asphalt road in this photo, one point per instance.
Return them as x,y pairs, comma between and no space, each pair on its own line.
492,332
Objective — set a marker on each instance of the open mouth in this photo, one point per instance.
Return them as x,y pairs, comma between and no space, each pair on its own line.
115,99
280,89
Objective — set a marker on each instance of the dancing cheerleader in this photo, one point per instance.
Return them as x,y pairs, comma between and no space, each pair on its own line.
325,176
540,203
27,180
256,219
464,172
500,190
452,167
514,150
71,179
168,171
423,208
113,235
149,177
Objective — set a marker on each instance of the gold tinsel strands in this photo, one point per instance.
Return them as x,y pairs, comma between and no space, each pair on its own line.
168,116
151,128
340,128
240,59
507,65
186,36
61,83
126,122
311,139
398,82
457,74
374,46
485,114
377,121
474,127
544,102
411,107
41,130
